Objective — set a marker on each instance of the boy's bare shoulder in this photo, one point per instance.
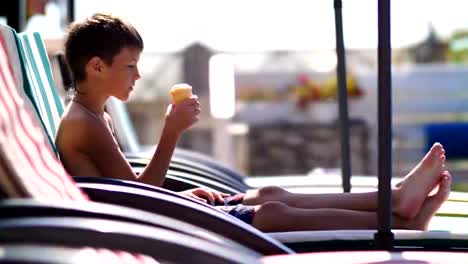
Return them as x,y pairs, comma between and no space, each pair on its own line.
76,120
78,127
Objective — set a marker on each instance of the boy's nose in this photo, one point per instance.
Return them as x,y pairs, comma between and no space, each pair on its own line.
137,74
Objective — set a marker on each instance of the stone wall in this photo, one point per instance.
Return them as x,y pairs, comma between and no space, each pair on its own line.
298,148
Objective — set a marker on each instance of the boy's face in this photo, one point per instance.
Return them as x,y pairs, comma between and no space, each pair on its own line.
119,78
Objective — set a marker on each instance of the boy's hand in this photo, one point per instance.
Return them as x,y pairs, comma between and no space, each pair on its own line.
205,195
183,115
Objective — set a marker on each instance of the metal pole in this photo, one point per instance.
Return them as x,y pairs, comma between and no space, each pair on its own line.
342,99
70,11
15,13
384,236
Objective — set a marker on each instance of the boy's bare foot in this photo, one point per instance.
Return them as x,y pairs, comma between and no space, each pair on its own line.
399,184
411,192
431,204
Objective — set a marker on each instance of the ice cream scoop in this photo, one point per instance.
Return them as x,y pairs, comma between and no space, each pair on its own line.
180,92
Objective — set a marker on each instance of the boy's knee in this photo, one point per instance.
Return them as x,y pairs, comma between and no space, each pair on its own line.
265,217
271,208
271,192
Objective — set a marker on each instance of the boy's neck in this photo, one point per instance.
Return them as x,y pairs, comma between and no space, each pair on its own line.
92,99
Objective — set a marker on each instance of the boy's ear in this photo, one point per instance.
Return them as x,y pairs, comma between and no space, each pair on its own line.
94,65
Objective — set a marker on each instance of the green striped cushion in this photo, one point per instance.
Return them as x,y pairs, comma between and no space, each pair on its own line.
12,44
41,88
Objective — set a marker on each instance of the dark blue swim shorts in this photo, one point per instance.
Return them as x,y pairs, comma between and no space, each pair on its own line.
233,206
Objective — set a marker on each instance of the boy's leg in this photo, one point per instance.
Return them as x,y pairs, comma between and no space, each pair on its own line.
407,198
279,217
350,201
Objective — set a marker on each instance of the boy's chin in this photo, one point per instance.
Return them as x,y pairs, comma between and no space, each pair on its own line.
123,97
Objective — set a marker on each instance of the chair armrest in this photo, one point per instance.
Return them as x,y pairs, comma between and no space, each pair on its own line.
131,184
196,172
18,208
34,253
161,244
103,182
204,182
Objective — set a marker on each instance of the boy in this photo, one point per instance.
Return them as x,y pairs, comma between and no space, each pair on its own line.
103,51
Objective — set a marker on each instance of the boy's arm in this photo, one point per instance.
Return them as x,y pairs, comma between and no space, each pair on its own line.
178,118
159,164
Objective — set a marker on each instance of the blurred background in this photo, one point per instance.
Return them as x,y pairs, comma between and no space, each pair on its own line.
265,72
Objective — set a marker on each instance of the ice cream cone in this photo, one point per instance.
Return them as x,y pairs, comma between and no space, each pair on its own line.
180,92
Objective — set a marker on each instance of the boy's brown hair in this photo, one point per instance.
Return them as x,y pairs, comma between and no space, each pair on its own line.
101,35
